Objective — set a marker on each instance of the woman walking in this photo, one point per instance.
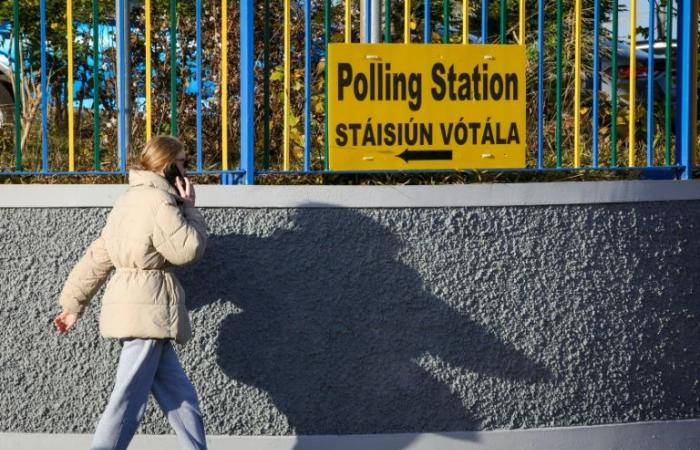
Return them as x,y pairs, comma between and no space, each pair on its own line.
153,227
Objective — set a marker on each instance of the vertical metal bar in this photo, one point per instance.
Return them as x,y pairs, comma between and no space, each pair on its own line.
613,90
18,88
577,85
446,21
69,97
96,83
173,67
198,32
426,21
44,93
266,86
502,21
122,77
387,20
406,22
521,28
596,78
686,97
540,84
307,85
559,84
650,87
465,22
149,72
633,84
327,37
667,106
376,35
368,21
224,83
247,65
287,84
348,22
484,21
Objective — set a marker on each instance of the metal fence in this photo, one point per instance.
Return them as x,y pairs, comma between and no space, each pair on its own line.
281,69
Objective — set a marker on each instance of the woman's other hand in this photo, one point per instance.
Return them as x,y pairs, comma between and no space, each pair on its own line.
65,321
186,190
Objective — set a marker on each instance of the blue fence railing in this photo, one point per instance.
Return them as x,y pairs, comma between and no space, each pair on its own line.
633,109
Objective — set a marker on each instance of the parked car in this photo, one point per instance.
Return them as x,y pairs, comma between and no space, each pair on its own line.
642,72
7,98
659,52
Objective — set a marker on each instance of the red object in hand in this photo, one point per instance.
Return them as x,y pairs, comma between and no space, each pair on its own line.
65,321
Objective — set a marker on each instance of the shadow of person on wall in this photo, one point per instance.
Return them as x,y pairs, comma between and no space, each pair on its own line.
333,325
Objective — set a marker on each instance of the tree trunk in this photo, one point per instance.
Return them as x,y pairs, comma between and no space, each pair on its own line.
660,20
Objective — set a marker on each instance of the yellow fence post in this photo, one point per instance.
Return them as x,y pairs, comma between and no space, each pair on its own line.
465,21
71,111
287,83
521,28
224,84
407,22
633,80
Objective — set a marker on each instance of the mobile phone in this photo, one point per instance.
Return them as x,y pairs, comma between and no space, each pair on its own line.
171,173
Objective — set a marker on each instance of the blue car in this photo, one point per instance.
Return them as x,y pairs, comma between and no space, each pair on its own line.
642,72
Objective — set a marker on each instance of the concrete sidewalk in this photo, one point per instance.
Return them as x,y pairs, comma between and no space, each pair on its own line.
672,435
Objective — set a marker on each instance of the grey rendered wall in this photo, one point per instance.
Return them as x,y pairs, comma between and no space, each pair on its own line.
344,320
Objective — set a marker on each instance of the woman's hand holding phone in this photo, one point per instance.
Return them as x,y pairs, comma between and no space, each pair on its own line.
186,190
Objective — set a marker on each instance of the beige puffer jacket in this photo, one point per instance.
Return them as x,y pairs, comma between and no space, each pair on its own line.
146,235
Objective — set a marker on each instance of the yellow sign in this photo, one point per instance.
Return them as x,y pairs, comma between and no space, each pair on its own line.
418,106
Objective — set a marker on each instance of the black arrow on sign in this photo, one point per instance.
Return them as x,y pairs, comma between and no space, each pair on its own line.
425,155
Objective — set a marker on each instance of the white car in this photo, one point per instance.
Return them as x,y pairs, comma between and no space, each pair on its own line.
7,98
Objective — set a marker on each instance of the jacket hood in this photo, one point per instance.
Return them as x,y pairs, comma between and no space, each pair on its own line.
151,179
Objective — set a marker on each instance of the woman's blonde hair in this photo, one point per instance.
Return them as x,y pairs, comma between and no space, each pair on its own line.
160,152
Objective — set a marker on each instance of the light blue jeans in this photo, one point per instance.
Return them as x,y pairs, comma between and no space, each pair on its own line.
150,365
